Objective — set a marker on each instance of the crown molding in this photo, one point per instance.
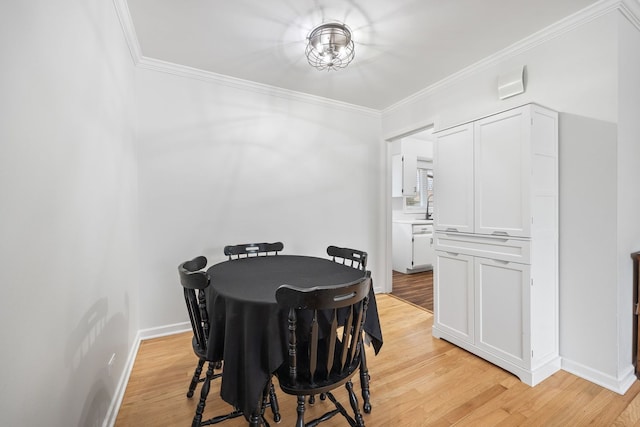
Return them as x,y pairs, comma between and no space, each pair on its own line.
122,10
630,8
129,31
234,82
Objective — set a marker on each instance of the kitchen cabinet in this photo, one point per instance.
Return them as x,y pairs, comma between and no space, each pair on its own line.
496,240
413,246
489,171
482,302
454,303
403,170
453,190
502,321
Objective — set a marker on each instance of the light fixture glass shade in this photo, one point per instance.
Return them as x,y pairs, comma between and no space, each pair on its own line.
329,46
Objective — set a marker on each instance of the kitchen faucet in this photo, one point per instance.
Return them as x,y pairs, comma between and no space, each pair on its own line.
427,215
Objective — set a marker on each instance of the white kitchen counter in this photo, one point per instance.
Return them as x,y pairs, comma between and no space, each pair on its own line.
413,221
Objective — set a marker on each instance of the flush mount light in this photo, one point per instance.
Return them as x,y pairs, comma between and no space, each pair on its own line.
329,46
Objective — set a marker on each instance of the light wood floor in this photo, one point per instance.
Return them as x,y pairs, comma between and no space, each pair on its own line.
416,288
416,380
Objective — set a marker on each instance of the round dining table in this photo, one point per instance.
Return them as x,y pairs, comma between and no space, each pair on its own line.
247,328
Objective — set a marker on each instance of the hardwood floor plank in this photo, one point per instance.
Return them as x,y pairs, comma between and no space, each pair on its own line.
631,415
415,288
416,381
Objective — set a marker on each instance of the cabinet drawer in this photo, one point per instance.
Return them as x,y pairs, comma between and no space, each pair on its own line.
494,247
422,228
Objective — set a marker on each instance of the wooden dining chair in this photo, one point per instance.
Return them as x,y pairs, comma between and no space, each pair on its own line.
356,259
245,250
347,256
195,281
323,358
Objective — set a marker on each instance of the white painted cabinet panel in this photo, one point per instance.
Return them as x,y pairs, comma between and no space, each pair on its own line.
409,168
502,172
422,250
454,295
453,180
502,313
403,170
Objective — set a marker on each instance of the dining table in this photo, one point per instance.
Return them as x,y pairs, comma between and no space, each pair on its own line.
248,331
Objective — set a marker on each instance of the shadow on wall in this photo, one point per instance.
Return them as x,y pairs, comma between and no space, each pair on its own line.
91,382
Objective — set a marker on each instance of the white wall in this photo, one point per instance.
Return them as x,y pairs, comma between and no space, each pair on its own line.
577,73
628,156
68,232
224,165
588,238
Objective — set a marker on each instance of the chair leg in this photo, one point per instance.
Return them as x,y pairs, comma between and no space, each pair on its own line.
273,401
300,410
364,382
196,378
197,419
255,420
354,404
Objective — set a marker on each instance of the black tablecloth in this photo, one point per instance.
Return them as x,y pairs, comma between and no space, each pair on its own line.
249,332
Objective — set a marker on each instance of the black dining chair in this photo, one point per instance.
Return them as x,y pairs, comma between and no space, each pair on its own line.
245,250
347,256
356,259
323,357
195,281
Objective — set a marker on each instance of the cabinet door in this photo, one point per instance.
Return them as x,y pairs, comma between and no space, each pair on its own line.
453,179
402,247
409,170
453,295
502,173
502,309
422,254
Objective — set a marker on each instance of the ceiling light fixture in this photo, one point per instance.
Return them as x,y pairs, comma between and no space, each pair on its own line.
329,46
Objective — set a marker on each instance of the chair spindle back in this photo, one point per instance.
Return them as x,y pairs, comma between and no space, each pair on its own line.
252,249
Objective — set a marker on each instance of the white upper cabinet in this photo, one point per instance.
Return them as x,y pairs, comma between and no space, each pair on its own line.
409,168
503,171
453,185
404,165
490,172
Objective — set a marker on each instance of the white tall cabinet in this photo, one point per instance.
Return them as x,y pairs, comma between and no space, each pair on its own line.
496,240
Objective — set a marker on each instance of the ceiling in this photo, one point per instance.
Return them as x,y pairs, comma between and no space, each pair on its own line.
401,46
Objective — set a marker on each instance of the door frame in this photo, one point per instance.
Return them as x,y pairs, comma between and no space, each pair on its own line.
388,138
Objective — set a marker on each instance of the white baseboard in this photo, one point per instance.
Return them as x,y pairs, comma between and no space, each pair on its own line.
116,401
619,385
143,334
162,331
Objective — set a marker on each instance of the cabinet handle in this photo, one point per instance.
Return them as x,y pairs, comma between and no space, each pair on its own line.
453,253
451,230
499,233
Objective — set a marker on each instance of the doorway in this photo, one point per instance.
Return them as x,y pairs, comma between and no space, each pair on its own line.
411,202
